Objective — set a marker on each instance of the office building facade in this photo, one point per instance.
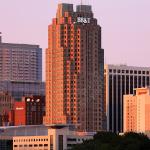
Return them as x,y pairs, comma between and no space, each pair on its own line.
74,69
20,62
121,80
58,138
29,111
21,70
6,102
39,137
137,111
18,89
6,105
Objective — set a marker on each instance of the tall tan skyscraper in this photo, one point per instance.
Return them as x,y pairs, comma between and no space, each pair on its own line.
74,69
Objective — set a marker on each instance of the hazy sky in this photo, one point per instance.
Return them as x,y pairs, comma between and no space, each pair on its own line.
125,26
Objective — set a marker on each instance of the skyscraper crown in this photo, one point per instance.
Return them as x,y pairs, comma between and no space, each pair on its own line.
84,8
64,7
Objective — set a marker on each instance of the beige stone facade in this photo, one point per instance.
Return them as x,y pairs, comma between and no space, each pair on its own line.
60,138
137,111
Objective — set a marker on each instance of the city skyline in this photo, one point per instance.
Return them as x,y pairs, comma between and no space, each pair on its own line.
125,26
92,56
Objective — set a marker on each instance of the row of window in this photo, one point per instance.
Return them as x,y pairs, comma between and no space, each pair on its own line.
30,140
129,71
35,145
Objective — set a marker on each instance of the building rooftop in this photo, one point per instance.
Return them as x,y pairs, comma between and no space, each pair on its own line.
15,45
124,66
65,7
37,130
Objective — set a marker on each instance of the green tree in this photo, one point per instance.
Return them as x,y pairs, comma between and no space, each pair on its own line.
112,141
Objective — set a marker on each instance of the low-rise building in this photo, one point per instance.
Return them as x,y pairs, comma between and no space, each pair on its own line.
41,137
29,111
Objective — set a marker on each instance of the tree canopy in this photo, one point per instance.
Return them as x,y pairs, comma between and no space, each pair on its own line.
112,141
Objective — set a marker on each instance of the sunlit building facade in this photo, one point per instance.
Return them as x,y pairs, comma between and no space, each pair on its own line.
121,80
137,111
29,111
40,137
74,69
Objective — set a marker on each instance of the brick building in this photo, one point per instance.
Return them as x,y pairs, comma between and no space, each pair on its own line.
29,111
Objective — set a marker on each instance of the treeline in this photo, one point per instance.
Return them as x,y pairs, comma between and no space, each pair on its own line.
112,141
